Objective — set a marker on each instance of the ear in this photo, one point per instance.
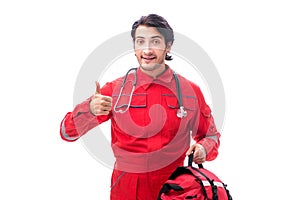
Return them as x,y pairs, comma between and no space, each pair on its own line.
168,48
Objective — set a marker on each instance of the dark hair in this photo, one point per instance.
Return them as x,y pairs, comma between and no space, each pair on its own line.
160,24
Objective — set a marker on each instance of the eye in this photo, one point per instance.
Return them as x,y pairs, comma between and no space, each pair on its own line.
156,42
139,42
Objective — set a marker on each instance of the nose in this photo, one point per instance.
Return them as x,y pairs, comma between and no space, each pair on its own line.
147,49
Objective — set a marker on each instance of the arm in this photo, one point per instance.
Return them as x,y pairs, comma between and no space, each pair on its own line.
207,135
86,116
204,133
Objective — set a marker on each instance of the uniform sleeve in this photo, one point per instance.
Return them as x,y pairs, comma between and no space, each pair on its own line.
205,131
81,120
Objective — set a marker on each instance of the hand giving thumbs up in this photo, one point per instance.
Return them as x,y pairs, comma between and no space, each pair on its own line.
100,104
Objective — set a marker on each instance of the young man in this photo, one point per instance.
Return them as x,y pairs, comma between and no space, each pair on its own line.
152,117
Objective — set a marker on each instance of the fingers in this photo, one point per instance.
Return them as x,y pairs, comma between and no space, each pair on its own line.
101,110
101,105
199,153
106,100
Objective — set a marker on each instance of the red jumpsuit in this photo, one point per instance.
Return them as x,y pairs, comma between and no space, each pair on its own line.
149,141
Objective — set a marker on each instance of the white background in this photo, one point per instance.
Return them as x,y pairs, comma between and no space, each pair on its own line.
43,44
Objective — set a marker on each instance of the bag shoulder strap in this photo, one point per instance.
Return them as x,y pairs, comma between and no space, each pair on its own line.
214,187
211,182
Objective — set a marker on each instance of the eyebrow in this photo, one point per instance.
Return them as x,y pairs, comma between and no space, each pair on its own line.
156,36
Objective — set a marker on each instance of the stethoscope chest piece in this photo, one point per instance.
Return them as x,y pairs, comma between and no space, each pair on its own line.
181,112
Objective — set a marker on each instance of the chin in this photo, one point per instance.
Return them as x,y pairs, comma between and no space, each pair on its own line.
149,67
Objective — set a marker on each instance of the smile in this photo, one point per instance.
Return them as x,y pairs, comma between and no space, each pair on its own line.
147,59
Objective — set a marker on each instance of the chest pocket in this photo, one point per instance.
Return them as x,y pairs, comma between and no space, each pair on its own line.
189,102
137,101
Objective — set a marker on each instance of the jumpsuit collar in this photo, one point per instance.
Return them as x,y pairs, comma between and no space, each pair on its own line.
145,81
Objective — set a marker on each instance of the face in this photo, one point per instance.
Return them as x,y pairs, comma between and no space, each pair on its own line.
150,49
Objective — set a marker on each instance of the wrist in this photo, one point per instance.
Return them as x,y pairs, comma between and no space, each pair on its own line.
91,105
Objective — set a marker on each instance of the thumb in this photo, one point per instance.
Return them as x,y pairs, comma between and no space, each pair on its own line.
190,151
98,90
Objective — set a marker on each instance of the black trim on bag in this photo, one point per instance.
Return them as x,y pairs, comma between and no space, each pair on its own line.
167,187
183,170
214,188
227,191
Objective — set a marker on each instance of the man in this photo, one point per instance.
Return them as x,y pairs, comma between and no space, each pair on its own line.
152,113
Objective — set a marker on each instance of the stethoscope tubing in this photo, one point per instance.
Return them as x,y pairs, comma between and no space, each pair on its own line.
181,111
121,91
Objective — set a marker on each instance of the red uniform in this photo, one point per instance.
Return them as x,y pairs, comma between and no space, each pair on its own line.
149,141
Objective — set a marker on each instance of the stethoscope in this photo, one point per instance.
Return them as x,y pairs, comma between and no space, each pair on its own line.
181,112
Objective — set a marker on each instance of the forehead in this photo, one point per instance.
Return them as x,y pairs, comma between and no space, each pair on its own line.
147,32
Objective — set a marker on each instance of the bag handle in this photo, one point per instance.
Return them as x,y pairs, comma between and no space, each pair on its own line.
190,161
